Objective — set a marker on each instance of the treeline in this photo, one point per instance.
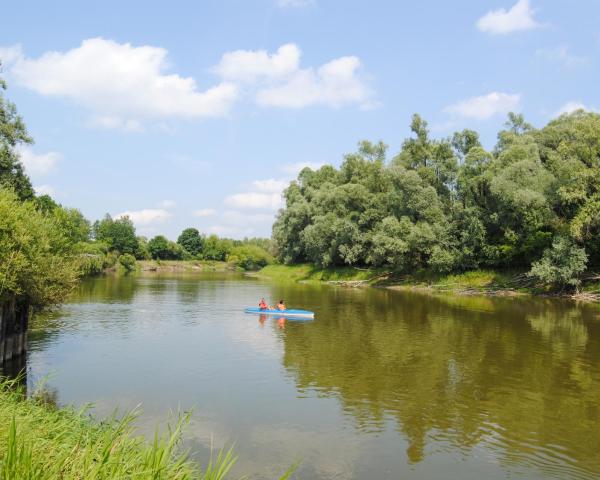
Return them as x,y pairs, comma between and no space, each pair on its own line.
533,203
45,247
119,236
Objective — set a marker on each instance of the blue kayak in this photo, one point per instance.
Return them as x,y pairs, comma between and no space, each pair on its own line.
282,313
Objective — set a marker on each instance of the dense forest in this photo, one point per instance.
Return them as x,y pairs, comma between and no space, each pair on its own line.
532,203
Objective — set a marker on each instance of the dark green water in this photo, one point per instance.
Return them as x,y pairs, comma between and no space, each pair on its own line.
381,385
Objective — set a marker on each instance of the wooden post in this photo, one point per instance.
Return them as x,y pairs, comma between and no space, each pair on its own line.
14,322
9,329
2,316
21,321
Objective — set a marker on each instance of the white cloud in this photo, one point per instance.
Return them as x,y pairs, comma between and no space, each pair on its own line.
44,190
205,212
233,217
230,231
115,123
10,54
256,200
121,84
334,84
562,55
166,204
294,169
571,107
38,163
486,106
146,216
294,3
279,81
500,22
251,65
270,185
240,224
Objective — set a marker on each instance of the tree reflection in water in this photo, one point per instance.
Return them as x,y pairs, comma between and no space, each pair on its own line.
519,376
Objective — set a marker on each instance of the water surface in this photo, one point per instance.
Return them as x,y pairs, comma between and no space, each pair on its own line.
381,385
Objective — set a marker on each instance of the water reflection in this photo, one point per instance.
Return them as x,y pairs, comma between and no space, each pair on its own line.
380,385
518,375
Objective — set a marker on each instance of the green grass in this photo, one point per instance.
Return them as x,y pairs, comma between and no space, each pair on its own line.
185,265
42,442
306,272
482,280
478,280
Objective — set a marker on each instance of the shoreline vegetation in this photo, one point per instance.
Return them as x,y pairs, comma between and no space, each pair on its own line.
476,282
39,441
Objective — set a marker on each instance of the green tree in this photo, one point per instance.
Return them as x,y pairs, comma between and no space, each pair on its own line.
118,234
249,257
37,261
12,134
159,248
163,249
142,252
216,248
191,240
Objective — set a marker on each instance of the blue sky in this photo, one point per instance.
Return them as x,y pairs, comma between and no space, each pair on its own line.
198,113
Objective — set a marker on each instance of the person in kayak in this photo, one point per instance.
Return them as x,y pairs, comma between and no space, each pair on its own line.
281,305
263,305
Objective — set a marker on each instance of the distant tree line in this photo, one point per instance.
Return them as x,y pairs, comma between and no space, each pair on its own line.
45,247
451,205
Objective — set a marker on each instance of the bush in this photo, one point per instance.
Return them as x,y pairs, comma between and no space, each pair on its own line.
90,264
163,249
560,265
249,257
128,262
37,260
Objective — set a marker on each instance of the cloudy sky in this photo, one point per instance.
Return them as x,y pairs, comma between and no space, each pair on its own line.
199,113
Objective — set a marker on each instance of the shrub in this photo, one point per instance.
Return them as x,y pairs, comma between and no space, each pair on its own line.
37,260
560,265
249,257
127,261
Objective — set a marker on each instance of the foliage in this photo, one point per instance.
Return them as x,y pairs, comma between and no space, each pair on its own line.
118,234
12,134
127,261
161,248
37,257
561,265
249,257
191,240
450,205
216,248
142,252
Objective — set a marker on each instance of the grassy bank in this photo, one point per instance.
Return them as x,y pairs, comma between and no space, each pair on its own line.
185,266
308,273
41,442
487,282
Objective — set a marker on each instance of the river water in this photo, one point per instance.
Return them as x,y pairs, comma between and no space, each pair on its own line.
381,385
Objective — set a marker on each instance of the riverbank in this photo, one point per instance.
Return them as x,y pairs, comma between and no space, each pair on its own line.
478,282
183,266
39,440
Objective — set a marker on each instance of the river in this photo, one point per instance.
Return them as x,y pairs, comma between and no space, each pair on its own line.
381,385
